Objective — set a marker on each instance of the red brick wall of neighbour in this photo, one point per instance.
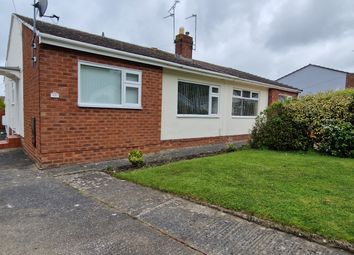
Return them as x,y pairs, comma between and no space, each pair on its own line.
2,112
273,95
350,81
31,97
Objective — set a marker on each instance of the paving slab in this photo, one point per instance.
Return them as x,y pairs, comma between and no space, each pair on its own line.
207,230
41,215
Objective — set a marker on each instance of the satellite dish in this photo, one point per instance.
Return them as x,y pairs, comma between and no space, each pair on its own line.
41,5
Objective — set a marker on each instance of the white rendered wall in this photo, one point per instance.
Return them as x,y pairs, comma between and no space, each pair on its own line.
313,79
14,110
175,127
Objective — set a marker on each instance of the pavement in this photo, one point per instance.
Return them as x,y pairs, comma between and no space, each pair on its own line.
93,213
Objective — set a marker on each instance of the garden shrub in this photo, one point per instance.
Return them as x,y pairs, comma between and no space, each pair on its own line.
231,147
2,104
136,158
323,121
336,139
276,129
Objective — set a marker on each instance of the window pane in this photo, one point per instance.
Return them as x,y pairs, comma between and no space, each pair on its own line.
237,93
132,77
193,99
281,98
132,95
246,93
249,107
254,95
215,90
236,107
100,85
214,105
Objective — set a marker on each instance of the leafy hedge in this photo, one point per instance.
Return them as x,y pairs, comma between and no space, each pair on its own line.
324,122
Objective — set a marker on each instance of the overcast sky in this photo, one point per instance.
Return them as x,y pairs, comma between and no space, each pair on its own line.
269,38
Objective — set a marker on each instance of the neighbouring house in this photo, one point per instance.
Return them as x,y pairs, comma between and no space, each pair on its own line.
314,78
89,98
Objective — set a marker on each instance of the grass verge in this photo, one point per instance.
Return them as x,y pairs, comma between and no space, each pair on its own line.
308,191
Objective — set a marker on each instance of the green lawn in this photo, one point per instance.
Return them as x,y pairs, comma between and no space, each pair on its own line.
308,191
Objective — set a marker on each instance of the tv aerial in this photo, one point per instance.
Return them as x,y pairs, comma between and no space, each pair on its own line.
40,6
194,16
172,12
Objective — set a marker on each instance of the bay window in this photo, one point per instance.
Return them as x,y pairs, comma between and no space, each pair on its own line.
197,99
244,103
108,87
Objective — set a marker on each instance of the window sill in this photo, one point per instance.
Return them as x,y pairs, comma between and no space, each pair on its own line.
197,116
108,106
244,117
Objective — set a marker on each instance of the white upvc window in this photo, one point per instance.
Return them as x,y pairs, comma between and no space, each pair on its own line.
104,86
244,103
197,99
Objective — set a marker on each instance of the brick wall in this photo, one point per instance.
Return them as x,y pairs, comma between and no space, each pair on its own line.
273,95
70,134
349,81
179,143
31,96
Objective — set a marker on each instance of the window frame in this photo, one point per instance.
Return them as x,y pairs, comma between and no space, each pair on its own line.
247,98
124,82
211,95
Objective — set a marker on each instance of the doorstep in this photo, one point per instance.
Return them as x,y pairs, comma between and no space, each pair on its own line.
12,141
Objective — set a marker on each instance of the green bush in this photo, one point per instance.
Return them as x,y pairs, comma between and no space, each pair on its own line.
336,139
276,129
2,104
315,111
323,121
231,147
136,158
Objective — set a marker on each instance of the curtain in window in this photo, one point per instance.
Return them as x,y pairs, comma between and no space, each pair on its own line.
100,85
193,99
237,107
249,107
244,107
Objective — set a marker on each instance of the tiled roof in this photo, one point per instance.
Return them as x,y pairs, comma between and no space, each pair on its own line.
98,40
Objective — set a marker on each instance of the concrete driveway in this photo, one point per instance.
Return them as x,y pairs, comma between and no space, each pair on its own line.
93,213
41,215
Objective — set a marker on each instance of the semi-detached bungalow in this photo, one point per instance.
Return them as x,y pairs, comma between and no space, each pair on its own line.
89,98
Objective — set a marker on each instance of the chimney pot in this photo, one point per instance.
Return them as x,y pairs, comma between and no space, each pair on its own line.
181,30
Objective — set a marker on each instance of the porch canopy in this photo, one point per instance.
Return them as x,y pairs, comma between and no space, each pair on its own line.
12,73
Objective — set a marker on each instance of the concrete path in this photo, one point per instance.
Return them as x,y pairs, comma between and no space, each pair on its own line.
42,215
206,230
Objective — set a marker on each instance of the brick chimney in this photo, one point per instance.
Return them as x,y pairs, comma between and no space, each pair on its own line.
184,44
